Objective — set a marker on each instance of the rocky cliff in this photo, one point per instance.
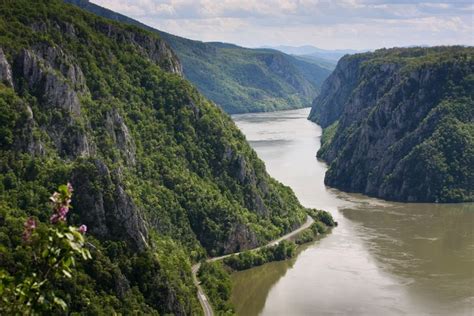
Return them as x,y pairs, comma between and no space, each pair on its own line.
238,79
161,176
399,124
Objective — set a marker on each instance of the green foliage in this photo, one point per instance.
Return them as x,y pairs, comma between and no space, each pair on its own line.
48,255
327,137
244,80
322,216
306,236
217,284
443,162
310,234
146,146
319,227
252,258
285,249
414,140
8,116
240,79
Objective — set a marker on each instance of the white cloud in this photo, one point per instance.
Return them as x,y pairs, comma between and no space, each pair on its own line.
328,24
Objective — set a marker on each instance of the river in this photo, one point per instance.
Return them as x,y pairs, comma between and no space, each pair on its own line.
384,258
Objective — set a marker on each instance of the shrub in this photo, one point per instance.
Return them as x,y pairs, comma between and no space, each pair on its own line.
50,252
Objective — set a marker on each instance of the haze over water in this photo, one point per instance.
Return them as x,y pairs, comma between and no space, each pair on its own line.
384,258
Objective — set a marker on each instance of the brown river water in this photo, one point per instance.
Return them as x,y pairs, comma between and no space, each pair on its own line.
384,258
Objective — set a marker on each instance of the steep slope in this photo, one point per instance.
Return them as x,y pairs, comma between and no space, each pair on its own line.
161,176
321,62
399,124
236,78
314,52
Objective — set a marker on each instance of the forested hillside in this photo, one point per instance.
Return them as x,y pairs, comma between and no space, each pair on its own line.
399,124
239,79
161,176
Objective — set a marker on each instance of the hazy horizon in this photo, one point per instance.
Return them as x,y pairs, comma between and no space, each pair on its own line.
346,24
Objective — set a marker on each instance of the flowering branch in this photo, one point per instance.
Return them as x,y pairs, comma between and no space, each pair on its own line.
53,251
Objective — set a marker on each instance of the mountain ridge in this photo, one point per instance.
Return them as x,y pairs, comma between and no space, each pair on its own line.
399,124
238,79
161,176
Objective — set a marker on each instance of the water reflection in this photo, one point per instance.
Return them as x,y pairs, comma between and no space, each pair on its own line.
258,284
384,258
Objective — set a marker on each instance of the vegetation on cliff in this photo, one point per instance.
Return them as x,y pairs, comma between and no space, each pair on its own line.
244,80
399,124
215,279
162,177
284,249
215,275
239,79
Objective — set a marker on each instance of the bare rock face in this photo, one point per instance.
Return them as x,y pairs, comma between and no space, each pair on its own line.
247,178
108,210
240,238
5,70
57,82
120,134
335,91
155,49
386,108
53,77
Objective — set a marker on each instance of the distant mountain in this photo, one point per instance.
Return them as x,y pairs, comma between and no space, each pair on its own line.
321,62
312,51
399,124
236,78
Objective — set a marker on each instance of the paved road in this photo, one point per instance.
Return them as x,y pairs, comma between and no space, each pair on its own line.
206,306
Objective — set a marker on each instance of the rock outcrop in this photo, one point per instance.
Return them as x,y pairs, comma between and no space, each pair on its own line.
161,176
392,110
238,79
109,212
5,70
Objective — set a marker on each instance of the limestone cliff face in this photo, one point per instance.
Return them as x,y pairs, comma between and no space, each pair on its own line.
335,91
238,79
161,176
394,109
145,152
56,80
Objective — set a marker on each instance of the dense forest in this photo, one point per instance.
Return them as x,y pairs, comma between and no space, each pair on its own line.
399,124
239,79
161,176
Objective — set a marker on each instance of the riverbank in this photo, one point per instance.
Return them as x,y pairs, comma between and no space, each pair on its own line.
384,258
204,300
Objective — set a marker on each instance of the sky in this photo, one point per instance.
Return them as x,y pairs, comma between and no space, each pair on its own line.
339,24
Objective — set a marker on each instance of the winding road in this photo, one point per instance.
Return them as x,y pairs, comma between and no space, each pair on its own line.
206,305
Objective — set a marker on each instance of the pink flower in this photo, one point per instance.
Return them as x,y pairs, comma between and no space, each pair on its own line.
63,210
61,204
30,225
54,218
54,197
82,229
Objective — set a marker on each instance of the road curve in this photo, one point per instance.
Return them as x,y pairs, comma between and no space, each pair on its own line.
206,305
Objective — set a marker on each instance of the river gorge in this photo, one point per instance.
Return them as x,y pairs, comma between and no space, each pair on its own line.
384,258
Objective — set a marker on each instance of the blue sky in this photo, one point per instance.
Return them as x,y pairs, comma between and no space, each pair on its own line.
344,24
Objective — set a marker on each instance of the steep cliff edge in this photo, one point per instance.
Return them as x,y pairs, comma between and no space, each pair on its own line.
399,124
161,176
238,79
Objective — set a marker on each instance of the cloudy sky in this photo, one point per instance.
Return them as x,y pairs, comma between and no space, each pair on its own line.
354,24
